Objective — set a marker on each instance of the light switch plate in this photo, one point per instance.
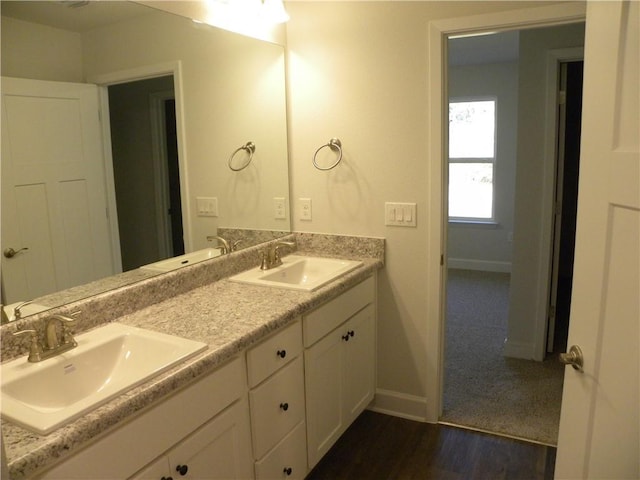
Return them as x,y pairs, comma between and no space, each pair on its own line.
279,209
207,206
400,214
304,205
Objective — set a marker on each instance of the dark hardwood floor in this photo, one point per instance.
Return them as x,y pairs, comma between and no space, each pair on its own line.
379,446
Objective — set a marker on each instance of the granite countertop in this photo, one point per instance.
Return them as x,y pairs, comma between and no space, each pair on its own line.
228,316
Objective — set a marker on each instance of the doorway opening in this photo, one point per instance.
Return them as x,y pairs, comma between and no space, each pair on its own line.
146,171
489,384
566,203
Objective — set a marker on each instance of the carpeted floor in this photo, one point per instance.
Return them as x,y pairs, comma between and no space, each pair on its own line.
482,388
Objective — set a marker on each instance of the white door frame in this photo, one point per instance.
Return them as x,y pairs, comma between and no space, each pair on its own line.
142,73
439,31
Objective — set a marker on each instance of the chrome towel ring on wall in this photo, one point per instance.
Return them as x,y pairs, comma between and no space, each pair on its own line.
248,147
335,145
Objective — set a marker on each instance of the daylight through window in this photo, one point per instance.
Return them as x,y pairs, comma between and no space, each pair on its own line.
472,141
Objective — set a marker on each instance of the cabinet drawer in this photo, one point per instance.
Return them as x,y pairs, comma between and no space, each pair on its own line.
327,317
273,353
277,406
288,460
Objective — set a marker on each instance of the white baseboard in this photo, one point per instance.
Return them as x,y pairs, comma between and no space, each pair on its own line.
482,265
519,350
400,405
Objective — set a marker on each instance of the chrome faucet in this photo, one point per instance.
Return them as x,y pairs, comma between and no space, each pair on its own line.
66,341
224,245
53,344
271,255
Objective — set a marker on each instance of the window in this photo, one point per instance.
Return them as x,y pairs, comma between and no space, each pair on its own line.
472,140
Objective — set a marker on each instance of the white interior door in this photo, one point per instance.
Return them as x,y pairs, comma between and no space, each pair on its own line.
600,421
53,188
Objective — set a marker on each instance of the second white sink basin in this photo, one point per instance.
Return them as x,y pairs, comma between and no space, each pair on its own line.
107,361
182,260
299,273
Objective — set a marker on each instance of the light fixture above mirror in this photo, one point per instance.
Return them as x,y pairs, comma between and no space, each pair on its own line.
254,18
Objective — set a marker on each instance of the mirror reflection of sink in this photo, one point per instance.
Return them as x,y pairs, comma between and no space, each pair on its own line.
182,260
299,273
26,310
109,360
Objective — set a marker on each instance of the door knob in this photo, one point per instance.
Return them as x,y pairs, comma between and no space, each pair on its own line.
11,252
573,357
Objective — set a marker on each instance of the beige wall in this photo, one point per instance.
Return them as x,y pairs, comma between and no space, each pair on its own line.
40,52
359,71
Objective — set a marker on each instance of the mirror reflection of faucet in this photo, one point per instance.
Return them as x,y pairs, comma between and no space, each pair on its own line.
224,245
15,311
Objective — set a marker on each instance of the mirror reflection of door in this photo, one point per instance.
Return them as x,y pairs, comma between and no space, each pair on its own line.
145,167
53,197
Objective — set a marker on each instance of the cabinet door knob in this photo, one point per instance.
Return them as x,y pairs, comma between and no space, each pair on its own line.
287,471
281,353
284,406
182,469
345,337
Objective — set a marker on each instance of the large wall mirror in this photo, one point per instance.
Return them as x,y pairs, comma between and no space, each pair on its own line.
131,135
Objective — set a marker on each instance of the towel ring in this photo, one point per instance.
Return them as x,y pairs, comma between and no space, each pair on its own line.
248,147
334,144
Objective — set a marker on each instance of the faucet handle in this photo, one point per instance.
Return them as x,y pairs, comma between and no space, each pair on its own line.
35,349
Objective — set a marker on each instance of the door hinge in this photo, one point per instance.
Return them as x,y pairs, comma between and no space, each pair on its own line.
441,260
552,311
562,97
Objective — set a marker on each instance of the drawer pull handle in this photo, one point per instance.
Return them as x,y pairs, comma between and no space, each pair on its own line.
281,353
284,406
182,469
288,471
348,335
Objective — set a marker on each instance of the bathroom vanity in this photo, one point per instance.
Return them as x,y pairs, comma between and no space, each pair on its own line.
284,375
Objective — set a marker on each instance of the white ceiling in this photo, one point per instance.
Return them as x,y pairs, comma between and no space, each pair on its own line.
72,15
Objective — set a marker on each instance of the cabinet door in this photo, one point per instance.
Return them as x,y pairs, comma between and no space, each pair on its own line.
324,383
359,373
158,470
221,449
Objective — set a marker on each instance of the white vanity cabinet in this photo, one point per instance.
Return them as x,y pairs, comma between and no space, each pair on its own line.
204,426
339,365
213,451
277,403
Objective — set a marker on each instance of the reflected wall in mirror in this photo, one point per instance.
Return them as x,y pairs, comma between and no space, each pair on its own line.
225,90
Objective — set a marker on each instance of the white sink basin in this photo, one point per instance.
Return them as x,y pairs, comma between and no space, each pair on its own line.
182,260
299,273
44,396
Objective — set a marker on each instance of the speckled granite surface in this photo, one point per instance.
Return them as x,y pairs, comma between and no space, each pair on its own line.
228,316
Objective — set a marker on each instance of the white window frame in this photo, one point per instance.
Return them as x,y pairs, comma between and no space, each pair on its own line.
492,160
